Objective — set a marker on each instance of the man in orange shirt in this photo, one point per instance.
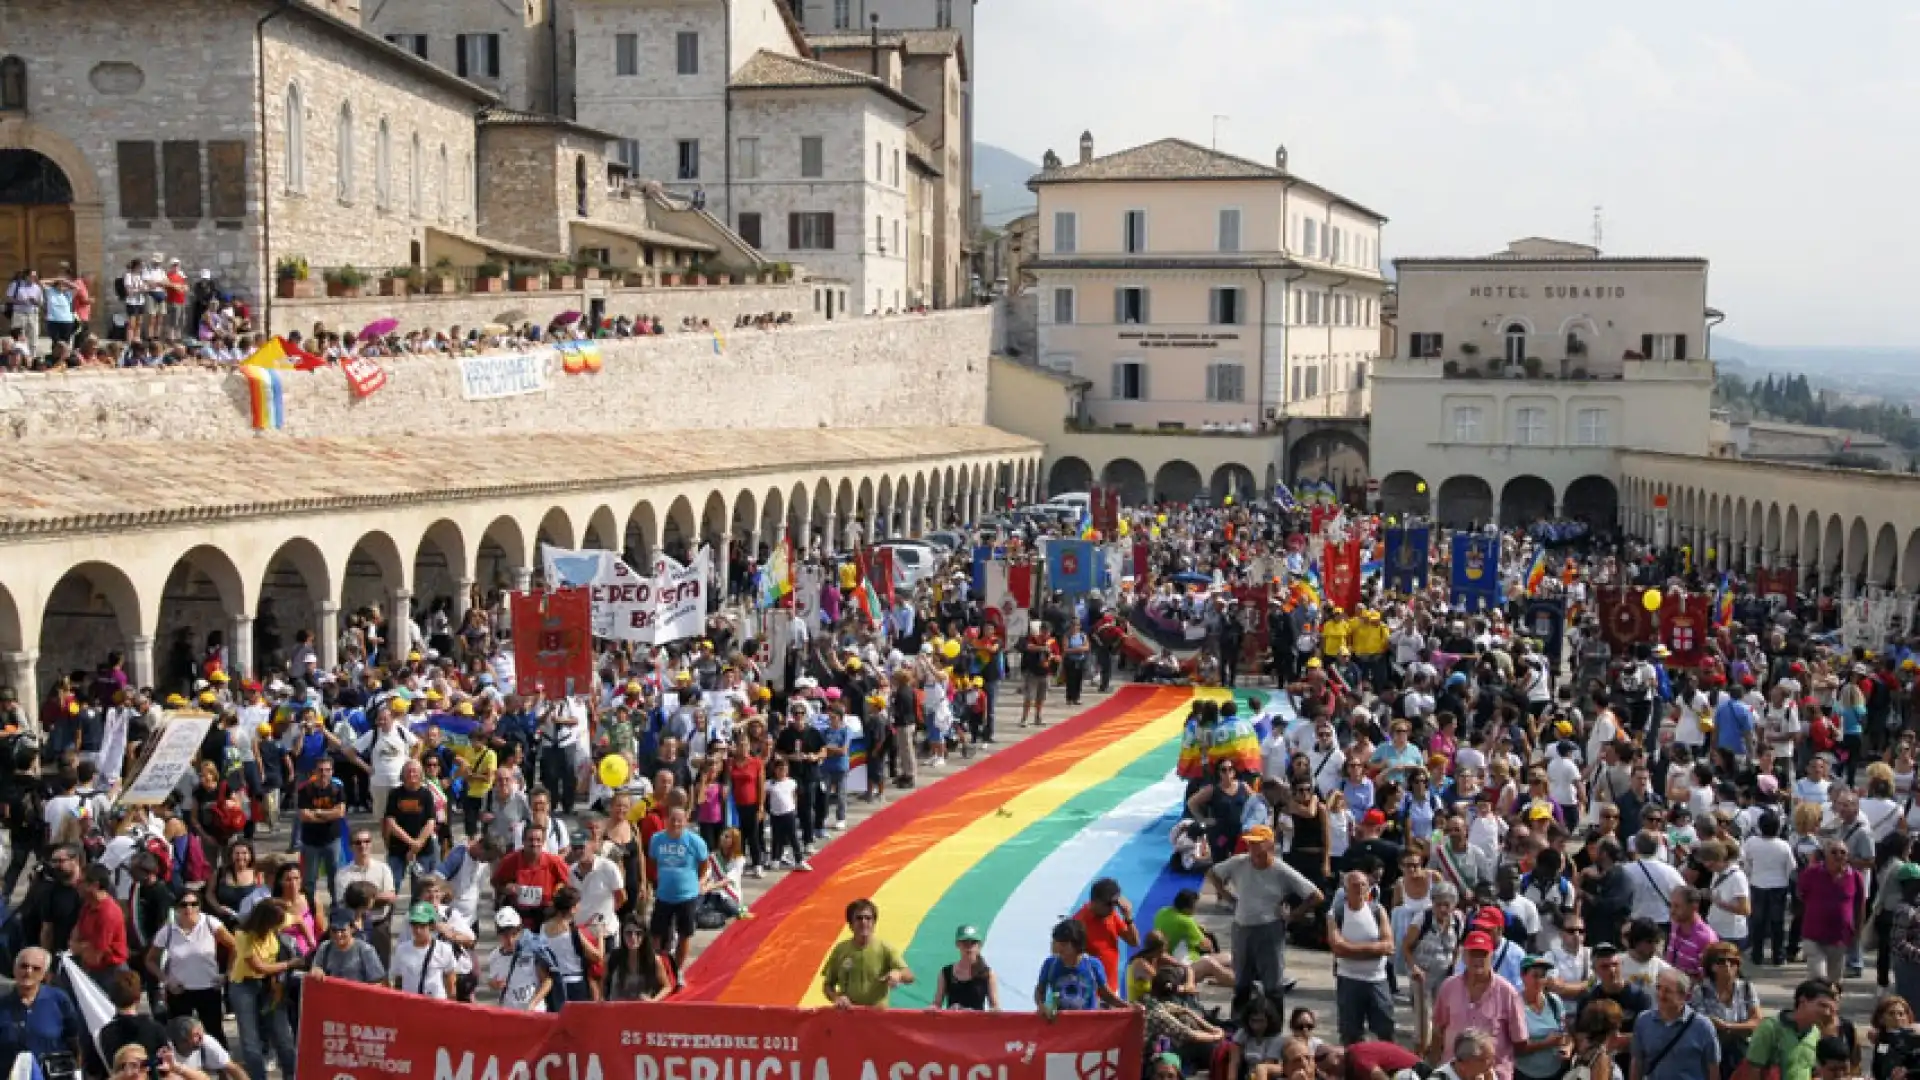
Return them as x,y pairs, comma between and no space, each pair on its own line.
1108,918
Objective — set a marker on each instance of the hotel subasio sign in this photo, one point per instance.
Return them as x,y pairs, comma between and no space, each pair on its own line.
1546,292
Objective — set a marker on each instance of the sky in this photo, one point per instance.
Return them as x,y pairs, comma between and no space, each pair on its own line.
1781,141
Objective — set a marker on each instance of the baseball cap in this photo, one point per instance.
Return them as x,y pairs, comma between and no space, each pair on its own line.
1540,810
972,933
423,914
1907,872
1478,941
1605,950
1259,834
1374,817
506,919
340,918
1535,960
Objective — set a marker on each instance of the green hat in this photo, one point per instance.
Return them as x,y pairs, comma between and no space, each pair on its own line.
1534,960
966,934
1170,1059
423,914
1907,871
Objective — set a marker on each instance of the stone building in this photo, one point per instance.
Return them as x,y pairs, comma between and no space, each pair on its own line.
227,135
933,73
510,49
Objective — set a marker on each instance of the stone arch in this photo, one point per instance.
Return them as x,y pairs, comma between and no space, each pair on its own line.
1857,553
1176,482
501,555
1464,502
1405,493
440,572
798,518
601,531
1233,481
1769,528
641,537
1790,535
745,523
92,610
202,593
919,508
297,592
843,503
12,630
1737,528
1126,476
1334,454
773,515
949,491
1909,570
1883,566
714,522
1069,474
823,509
902,523
17,132
677,532
1833,551
372,574
881,524
555,528
1593,499
1525,500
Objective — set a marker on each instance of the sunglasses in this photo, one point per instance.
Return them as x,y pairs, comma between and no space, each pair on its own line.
1303,1027
188,903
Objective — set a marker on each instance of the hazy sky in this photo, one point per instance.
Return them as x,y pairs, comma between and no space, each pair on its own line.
1779,140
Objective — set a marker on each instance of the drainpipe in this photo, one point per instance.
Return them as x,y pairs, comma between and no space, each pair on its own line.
1714,318
727,216
260,153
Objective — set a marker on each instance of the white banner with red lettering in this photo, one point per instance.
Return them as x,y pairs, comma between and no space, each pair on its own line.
630,606
364,375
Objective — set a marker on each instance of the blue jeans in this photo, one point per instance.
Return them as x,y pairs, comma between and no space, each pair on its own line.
1363,1005
836,793
315,858
261,1022
400,864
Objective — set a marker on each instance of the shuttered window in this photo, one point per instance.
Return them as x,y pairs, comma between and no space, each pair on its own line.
1230,229
1130,306
227,179
1225,307
182,160
139,180
1226,382
1129,381
750,228
810,231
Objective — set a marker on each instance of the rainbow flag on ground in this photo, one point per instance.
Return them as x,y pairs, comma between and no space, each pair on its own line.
266,395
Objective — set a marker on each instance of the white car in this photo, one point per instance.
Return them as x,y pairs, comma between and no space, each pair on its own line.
913,561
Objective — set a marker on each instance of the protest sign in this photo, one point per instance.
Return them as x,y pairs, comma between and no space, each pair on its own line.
170,760
500,375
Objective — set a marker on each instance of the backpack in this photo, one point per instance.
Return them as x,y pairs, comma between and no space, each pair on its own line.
192,860
159,848
120,287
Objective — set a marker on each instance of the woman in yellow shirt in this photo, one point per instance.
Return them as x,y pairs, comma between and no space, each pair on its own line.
479,763
255,991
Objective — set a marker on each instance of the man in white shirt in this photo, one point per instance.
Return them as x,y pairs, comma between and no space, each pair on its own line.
601,887
196,1049
1563,779
1651,881
386,749
378,876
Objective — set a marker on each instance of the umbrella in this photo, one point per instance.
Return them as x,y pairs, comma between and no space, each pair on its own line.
379,328
566,317
495,328
511,315
1188,577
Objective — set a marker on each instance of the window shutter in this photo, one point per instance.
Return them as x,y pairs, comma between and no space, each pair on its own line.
460,55
1145,310
793,232
1143,382
1646,346
182,168
750,229
139,181
832,237
1119,307
1119,380
493,56
227,169
1680,347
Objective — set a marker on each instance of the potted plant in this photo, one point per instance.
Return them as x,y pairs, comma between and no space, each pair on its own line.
403,280
723,277
489,277
441,280
1576,347
345,281
527,278
1451,369
1533,366
1469,349
591,267
560,274
290,277
782,272
671,277
699,273
637,279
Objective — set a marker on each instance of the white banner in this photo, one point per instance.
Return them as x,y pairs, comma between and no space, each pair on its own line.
630,607
807,582
500,375
170,761
776,639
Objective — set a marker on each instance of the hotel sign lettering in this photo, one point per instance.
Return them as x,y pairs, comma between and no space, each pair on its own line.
1177,341
1547,292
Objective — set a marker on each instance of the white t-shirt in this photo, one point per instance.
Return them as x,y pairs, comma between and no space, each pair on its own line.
1729,885
1688,732
1362,927
1807,789
209,1057
597,887
389,751
1646,975
407,958
783,796
522,981
1882,814
1768,861
1605,730
1469,757
192,957
376,874
1652,884
1525,912
1563,781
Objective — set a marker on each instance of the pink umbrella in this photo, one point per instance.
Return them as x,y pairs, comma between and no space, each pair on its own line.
379,328
567,317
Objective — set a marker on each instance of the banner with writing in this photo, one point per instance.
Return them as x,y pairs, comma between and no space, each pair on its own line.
553,640
681,589
501,375
364,375
350,1031
170,760
628,605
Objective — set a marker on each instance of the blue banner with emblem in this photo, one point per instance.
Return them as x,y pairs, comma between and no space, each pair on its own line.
1475,582
1407,557
1546,620
1070,566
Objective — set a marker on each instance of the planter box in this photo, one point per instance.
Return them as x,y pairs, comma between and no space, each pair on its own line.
442,284
489,284
699,280
342,292
562,282
590,273
671,280
294,288
394,287
723,279
528,284
637,279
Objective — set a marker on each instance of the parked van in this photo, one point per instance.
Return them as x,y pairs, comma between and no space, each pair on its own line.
1080,502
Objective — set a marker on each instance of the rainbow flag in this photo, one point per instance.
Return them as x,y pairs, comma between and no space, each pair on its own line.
265,394
1537,573
1723,603
776,580
1011,844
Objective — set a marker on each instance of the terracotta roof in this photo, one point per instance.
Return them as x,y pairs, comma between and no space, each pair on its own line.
771,71
64,487
1178,159
497,247
501,116
644,235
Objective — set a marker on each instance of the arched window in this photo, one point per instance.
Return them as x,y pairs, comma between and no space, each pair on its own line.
1516,335
13,84
419,166
383,166
345,153
294,152
440,185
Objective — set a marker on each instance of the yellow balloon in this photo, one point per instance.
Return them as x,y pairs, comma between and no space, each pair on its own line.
614,770
1651,600
1162,519
1229,500
1125,529
1420,488
950,650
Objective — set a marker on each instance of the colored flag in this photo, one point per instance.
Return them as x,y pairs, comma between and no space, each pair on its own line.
1070,566
1283,497
1723,603
271,355
266,396
776,578
719,343
1537,573
1476,571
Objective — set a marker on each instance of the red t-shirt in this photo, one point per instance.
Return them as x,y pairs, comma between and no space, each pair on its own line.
1390,1058
529,887
749,776
653,822
102,925
1103,940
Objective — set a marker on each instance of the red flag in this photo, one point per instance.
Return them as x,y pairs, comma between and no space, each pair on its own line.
880,562
1020,585
1623,621
301,359
553,641
1686,625
364,375
1340,572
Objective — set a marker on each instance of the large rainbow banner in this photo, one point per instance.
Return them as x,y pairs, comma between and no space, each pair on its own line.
1010,845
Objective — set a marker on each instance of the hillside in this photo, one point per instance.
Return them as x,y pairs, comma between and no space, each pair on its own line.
1001,177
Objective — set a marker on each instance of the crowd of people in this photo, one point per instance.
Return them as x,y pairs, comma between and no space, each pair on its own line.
1570,862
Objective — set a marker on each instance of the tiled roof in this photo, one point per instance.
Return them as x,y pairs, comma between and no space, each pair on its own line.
916,42
501,116
376,45
771,71
656,237
51,488
1178,159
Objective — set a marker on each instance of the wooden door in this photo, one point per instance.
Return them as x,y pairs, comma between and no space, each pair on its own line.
13,241
36,236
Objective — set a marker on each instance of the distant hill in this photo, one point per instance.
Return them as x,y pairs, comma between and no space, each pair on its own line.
1819,360
1001,177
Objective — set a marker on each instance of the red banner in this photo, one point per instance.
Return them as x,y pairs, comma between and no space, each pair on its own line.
1320,516
1253,602
1686,626
1777,581
364,375
1106,510
880,572
1340,570
553,640
1020,585
1623,621
350,1031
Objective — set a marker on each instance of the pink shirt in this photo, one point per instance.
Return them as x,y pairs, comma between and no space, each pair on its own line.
1685,944
1830,904
1498,1013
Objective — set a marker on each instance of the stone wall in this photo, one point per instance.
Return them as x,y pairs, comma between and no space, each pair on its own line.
907,371
719,304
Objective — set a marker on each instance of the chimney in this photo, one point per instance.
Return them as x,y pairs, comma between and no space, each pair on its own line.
1086,147
1280,159
874,21
1051,160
